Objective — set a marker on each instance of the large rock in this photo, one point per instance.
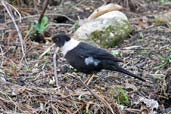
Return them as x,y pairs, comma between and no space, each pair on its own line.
106,30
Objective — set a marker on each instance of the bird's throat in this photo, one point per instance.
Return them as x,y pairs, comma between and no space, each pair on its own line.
69,45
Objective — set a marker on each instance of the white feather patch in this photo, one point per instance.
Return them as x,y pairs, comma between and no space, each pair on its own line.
88,60
91,60
71,44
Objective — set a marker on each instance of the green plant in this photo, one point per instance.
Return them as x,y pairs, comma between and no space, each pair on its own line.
120,95
163,1
40,27
165,62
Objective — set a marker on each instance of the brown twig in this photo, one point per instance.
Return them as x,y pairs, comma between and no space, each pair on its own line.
23,47
43,12
88,81
55,67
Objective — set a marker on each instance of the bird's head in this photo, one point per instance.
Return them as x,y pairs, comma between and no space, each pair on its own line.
60,39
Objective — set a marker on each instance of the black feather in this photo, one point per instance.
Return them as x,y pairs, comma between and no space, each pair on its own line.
122,70
86,50
89,59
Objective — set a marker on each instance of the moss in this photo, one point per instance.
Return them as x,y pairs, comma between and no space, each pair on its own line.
112,35
159,21
163,19
120,95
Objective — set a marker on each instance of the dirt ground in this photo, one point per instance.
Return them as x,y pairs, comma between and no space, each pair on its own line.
30,89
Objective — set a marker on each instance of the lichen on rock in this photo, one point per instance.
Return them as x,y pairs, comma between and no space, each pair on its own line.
111,35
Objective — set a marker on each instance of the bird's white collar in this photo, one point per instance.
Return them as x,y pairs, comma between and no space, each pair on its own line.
71,44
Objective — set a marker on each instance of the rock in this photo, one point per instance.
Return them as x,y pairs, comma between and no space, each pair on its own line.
107,30
104,9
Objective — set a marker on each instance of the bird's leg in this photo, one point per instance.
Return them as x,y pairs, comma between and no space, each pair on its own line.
87,82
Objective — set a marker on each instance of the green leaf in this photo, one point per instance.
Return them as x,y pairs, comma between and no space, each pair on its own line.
41,27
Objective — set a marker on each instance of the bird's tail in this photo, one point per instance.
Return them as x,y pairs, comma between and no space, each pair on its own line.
122,70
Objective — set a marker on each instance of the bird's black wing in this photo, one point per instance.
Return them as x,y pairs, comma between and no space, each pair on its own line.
86,50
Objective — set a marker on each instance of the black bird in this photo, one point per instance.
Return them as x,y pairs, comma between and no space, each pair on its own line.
87,58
